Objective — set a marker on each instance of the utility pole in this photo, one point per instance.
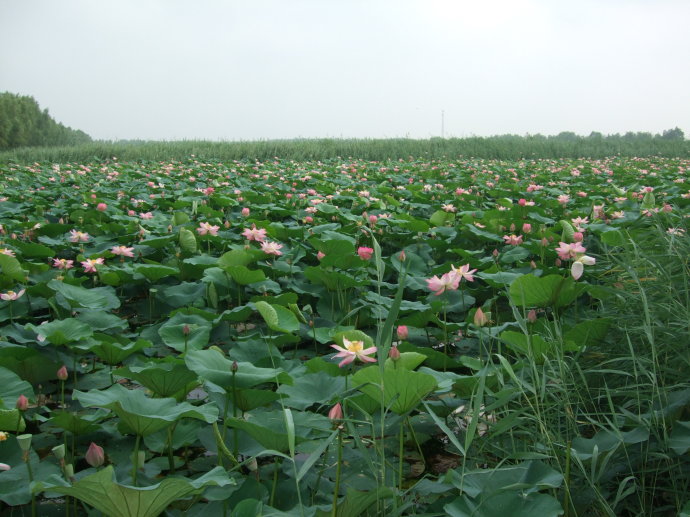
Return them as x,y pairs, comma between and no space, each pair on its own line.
443,115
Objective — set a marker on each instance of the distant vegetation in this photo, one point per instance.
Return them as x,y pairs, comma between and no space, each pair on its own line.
28,134
23,124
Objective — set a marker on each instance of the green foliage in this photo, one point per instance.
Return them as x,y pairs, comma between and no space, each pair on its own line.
23,124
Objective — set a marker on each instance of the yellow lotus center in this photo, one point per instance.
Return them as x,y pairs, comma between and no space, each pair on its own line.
355,346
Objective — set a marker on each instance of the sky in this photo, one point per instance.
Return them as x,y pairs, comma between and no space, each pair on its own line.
272,69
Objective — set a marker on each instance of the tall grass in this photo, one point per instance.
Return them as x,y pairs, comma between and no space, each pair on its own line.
499,147
608,418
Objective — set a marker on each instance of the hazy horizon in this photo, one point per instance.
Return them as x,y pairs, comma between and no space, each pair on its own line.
269,70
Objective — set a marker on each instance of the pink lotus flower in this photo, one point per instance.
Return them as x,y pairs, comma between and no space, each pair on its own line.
11,296
207,229
448,208
146,215
101,207
402,332
122,251
320,255
271,248
354,350
22,403
77,236
63,263
90,264
4,466
464,272
448,282
513,240
5,251
570,251
254,234
564,199
365,253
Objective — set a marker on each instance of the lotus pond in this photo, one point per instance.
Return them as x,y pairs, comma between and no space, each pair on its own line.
345,338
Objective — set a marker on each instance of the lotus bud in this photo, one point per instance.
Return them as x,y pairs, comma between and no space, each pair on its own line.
69,471
532,316
245,212
402,332
402,257
394,353
336,412
22,403
234,367
216,348
526,228
578,236
24,441
62,373
95,455
101,207
185,330
480,318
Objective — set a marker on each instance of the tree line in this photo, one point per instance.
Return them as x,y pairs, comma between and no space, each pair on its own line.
23,124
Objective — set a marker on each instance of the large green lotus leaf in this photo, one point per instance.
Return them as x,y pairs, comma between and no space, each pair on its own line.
483,233
76,423
154,272
236,258
526,477
333,280
182,294
235,315
165,379
61,332
172,332
537,348
248,399
101,298
441,218
141,414
12,420
407,360
277,317
403,389
245,276
212,366
187,240
514,254
11,387
157,242
10,267
28,363
313,388
113,350
100,321
550,290
15,485
514,504
102,491
270,430
588,332
34,250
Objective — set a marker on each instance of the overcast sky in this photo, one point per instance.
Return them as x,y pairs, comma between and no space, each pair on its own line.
262,69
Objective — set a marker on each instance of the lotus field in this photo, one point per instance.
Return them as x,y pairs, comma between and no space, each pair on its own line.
345,337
